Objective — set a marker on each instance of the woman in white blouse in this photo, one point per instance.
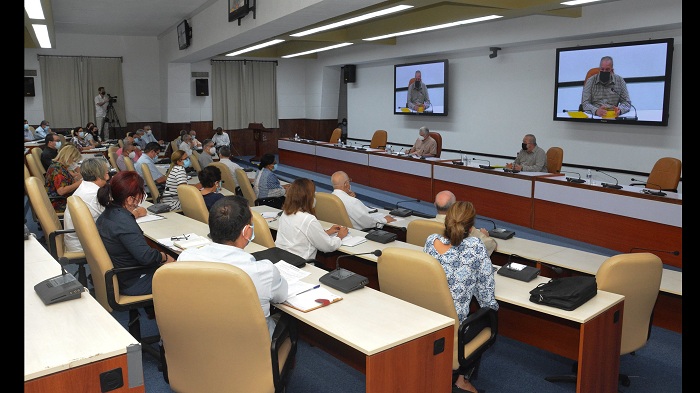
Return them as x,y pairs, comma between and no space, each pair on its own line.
299,230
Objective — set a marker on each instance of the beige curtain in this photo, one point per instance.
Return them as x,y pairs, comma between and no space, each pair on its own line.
70,83
243,92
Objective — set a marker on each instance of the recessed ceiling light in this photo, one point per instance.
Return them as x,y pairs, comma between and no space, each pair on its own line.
436,27
578,2
255,47
318,50
33,9
350,21
42,35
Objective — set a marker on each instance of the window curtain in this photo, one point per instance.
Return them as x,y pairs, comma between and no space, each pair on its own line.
243,92
70,83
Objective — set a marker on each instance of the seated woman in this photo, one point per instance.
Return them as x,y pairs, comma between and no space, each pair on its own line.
267,185
122,236
467,266
210,179
79,139
63,176
299,230
177,175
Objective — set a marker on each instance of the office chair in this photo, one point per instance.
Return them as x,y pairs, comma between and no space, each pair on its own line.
555,158
636,276
154,192
112,155
418,278
192,203
249,193
335,136
227,178
330,208
36,152
664,176
378,140
129,163
215,337
438,139
52,226
104,278
263,235
194,160
419,230
590,73
34,166
174,145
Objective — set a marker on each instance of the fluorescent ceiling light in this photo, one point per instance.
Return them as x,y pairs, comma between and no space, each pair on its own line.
356,19
255,47
578,2
436,27
318,50
33,9
42,35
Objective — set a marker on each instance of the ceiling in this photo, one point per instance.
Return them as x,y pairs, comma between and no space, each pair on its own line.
136,18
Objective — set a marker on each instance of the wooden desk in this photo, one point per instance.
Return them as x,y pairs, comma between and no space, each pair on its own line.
297,154
402,175
68,345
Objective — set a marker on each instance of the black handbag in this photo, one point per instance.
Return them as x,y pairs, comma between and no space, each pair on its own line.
567,293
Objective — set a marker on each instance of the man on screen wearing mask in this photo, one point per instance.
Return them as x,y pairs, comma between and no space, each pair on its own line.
425,145
418,99
531,158
605,94
231,229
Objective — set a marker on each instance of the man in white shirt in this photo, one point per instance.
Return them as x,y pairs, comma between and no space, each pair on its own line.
225,158
443,201
231,229
358,212
220,138
101,103
195,143
186,144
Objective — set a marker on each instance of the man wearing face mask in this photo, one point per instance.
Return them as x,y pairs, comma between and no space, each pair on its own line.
605,94
417,96
231,229
149,137
43,129
531,158
149,157
220,138
101,103
425,145
52,143
208,151
127,151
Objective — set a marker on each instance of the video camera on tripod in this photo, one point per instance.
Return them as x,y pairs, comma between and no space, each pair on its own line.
112,99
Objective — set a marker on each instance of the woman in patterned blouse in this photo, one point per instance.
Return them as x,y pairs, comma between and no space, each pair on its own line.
467,266
63,176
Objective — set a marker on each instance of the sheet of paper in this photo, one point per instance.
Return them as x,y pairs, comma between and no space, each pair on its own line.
290,272
351,241
269,214
149,217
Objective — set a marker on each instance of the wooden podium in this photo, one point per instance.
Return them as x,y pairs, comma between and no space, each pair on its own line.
259,136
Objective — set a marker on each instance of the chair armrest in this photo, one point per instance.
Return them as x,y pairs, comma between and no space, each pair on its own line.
109,285
471,327
52,240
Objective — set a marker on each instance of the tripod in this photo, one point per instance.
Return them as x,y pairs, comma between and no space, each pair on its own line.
111,118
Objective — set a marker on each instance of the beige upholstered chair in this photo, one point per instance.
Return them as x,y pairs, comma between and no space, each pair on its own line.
174,145
331,209
636,276
227,177
129,163
378,140
665,175
104,277
192,203
215,337
154,193
52,227
418,230
335,136
195,161
555,158
263,235
246,187
438,139
36,152
34,166
112,155
418,278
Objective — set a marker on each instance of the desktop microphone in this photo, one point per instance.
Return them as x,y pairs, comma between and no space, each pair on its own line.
656,193
572,180
59,288
399,212
608,185
499,233
675,252
345,280
484,166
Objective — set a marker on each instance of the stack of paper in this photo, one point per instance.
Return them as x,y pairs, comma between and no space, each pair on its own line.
351,241
191,240
313,299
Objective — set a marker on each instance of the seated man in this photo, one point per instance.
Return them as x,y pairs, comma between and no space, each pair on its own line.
127,151
149,157
208,151
425,145
443,201
221,138
231,229
358,212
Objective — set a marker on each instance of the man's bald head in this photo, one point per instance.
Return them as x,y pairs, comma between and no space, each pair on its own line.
338,179
444,200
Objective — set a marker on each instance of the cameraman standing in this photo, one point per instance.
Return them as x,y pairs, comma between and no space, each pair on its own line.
101,102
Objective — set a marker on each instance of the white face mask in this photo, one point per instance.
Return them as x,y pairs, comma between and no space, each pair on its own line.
421,137
132,155
212,151
148,132
73,166
81,134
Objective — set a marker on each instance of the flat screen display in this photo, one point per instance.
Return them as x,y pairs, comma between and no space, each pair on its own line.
636,92
420,89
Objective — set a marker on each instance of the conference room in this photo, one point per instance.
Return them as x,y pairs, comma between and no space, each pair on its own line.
492,101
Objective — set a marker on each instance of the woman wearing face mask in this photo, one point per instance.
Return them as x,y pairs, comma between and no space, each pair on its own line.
299,230
177,175
210,179
63,176
267,184
79,139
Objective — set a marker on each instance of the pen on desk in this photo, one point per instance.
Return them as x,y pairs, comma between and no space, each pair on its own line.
312,288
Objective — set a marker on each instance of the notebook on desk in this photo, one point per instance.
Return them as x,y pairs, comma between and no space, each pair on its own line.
276,254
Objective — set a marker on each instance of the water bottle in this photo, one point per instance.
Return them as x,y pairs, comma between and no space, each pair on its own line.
589,176
465,160
296,137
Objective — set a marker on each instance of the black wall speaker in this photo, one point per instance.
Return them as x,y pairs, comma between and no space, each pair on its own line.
349,73
28,86
202,87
